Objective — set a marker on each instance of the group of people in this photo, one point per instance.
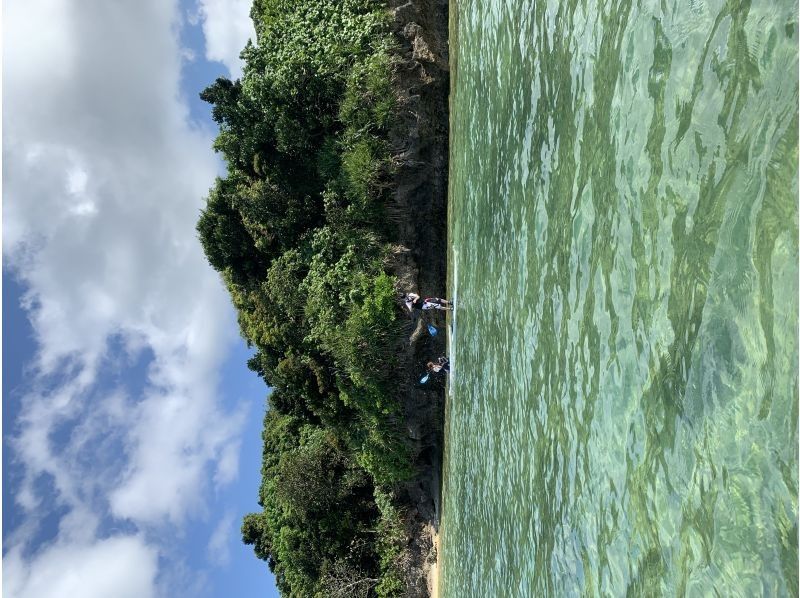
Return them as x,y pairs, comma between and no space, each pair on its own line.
414,302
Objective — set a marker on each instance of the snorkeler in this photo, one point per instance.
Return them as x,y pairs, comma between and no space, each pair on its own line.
436,303
442,365
413,301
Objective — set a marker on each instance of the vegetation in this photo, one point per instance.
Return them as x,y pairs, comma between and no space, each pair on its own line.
297,231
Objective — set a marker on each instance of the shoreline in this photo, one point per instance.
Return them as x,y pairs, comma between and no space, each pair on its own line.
420,142
435,569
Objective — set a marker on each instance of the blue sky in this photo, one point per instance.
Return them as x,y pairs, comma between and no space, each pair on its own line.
131,425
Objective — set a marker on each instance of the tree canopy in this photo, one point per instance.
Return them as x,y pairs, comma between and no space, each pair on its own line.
297,230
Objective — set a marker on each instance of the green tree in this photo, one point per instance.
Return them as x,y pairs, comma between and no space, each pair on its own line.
255,532
226,241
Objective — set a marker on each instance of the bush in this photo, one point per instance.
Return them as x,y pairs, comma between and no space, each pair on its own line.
385,457
391,545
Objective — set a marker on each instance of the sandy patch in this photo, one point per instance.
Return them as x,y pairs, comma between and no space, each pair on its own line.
433,571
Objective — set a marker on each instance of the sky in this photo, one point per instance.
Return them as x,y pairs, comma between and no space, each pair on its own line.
131,425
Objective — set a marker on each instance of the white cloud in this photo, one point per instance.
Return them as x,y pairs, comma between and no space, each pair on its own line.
168,467
193,16
219,548
123,566
103,184
76,181
188,54
227,27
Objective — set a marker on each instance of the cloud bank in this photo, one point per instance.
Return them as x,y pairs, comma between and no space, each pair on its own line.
122,567
103,182
227,27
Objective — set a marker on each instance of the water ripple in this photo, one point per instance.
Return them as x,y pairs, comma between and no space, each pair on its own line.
623,409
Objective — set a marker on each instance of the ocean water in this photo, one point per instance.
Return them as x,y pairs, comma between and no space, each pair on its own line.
622,411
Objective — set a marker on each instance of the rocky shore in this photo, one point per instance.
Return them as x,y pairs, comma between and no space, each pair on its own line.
419,260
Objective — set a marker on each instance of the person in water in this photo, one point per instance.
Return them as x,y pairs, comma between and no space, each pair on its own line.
415,302
442,364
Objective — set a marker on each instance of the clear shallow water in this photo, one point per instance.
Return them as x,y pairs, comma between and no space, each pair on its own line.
623,408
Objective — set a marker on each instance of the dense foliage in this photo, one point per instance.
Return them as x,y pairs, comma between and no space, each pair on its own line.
296,229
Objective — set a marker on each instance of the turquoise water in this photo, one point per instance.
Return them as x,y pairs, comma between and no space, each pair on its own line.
623,408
